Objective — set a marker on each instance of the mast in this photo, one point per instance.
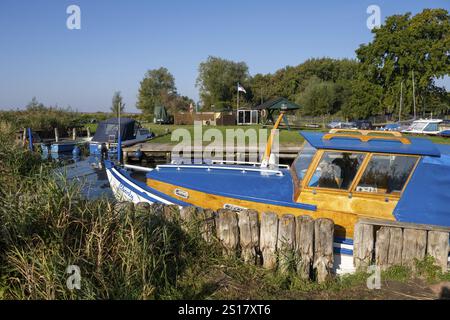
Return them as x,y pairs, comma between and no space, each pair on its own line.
401,101
414,95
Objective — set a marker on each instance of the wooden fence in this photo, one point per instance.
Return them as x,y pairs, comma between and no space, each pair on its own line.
287,243
303,245
394,243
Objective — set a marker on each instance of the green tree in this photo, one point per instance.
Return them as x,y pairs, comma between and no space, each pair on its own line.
319,97
117,104
157,88
404,44
217,81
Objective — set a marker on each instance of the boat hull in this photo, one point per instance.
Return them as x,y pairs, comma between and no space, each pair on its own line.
62,147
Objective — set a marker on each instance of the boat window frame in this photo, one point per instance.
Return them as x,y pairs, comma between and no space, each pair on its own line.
299,184
396,195
315,163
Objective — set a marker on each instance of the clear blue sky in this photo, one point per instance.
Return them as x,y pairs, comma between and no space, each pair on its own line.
120,40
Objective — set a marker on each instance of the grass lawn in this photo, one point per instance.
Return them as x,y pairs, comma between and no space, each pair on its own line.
286,137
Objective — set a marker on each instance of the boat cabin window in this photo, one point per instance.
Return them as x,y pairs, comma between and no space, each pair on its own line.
303,160
336,170
432,127
386,174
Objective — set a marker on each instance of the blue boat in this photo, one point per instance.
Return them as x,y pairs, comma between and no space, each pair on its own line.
107,133
338,175
63,147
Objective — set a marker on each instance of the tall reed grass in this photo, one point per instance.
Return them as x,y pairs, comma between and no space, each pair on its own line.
46,226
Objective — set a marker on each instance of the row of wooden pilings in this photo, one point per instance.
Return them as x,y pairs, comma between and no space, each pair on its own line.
286,244
300,244
388,244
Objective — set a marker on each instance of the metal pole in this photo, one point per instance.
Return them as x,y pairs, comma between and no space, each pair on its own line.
401,101
119,138
414,95
30,140
237,104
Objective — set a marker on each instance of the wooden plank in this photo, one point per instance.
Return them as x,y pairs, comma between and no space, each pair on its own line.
304,245
409,225
382,247
437,247
395,247
268,239
286,242
249,235
323,248
414,246
228,231
207,224
363,246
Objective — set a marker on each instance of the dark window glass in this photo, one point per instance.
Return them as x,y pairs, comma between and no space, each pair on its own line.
336,170
386,174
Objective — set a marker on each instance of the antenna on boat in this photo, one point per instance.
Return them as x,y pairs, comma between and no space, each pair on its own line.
266,157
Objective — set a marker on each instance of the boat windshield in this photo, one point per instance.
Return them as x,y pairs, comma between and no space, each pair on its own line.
419,126
303,160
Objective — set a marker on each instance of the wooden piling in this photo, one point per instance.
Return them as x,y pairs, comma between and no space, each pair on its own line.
286,242
228,231
249,235
363,246
304,245
414,246
268,239
24,137
88,132
74,134
207,224
323,248
382,247
395,247
56,135
142,208
437,247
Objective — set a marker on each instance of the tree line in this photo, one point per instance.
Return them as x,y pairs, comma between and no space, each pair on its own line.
405,50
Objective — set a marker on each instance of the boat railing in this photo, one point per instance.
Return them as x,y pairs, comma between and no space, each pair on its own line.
209,168
254,164
366,135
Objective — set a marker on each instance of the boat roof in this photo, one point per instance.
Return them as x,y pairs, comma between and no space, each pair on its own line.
428,121
418,146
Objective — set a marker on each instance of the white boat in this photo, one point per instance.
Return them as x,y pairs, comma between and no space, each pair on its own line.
425,126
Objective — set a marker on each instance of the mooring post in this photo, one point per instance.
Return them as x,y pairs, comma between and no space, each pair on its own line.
268,239
74,133
438,248
24,137
56,135
286,242
323,248
228,231
414,246
249,235
304,245
363,246
88,131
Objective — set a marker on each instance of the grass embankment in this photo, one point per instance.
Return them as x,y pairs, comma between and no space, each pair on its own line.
287,137
45,226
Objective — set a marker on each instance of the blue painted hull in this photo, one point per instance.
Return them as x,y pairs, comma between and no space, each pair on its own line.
62,147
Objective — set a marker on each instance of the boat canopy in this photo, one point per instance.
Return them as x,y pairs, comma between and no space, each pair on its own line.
107,130
416,146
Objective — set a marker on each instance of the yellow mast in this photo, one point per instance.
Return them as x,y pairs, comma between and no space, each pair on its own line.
266,157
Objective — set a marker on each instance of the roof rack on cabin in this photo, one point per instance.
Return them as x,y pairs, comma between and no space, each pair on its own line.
365,135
